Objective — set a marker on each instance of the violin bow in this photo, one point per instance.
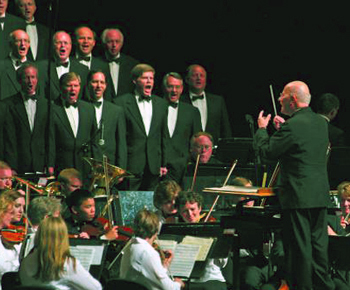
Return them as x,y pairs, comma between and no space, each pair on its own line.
195,172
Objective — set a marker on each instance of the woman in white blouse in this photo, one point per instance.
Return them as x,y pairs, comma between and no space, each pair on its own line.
51,264
141,263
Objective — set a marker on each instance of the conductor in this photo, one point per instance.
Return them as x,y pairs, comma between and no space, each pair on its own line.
300,144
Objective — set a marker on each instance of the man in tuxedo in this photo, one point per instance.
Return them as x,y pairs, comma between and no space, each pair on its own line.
110,120
147,132
85,41
26,139
73,129
38,33
60,64
19,43
300,144
327,105
183,122
214,116
8,23
119,64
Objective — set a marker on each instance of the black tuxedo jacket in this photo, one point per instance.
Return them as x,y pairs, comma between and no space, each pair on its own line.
3,116
67,151
26,150
188,123
218,123
125,84
11,23
52,87
300,146
43,43
9,85
112,130
143,149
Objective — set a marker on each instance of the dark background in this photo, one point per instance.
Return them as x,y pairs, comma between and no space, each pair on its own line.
244,45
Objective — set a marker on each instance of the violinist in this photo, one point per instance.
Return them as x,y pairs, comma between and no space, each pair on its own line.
141,263
9,257
15,232
83,223
39,208
164,199
190,208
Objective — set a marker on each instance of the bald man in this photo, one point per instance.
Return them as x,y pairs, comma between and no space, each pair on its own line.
300,144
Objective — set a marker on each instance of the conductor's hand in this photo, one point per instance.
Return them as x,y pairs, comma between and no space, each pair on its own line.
263,121
278,121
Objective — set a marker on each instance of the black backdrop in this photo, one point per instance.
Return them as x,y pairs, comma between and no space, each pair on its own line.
244,45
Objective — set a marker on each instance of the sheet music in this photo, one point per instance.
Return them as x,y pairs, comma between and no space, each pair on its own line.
184,259
204,243
233,188
84,254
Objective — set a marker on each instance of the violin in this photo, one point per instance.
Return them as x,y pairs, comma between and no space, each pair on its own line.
101,225
15,233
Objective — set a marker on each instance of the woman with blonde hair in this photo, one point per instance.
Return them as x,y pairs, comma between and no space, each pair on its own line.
51,264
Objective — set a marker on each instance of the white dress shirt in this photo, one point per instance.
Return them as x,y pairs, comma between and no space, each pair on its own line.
201,104
73,117
33,36
30,106
71,279
146,111
141,263
85,62
172,118
114,70
61,70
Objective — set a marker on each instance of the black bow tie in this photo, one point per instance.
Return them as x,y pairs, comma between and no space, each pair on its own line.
67,105
97,104
200,97
32,97
116,60
174,105
31,23
18,62
2,19
144,98
83,57
65,64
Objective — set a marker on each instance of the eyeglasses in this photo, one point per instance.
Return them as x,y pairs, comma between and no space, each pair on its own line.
10,178
206,147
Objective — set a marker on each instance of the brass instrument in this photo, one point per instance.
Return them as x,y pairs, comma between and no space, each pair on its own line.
103,173
52,189
31,185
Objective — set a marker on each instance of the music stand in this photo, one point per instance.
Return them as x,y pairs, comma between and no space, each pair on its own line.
91,253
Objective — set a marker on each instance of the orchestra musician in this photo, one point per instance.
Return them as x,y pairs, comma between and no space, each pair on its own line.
164,199
5,176
9,256
141,263
190,207
40,207
83,223
51,263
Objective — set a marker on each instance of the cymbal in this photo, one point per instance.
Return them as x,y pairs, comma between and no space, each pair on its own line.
97,167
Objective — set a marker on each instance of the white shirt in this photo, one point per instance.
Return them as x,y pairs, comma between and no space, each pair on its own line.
73,117
212,271
61,70
2,27
172,118
146,111
201,104
80,279
33,36
30,106
84,62
98,113
15,59
9,259
114,70
141,263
